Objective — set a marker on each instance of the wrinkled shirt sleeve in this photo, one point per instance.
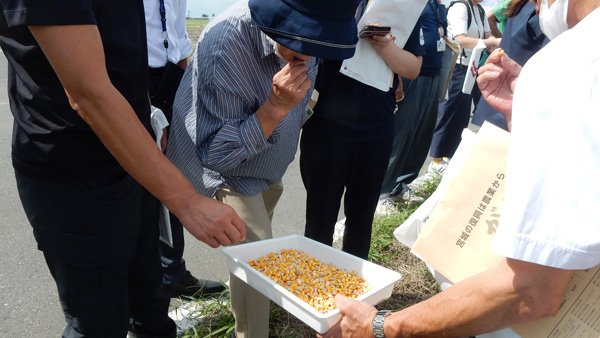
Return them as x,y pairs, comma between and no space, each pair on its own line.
227,132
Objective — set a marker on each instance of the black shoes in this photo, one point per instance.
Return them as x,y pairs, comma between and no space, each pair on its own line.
191,286
137,332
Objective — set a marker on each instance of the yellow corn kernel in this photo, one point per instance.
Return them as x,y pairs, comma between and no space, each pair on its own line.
309,279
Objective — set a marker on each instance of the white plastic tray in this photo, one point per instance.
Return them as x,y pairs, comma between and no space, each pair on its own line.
381,279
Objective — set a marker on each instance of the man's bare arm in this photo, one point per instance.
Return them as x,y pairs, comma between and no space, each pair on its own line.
510,293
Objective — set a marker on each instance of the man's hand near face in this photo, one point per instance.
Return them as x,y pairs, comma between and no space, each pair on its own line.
290,85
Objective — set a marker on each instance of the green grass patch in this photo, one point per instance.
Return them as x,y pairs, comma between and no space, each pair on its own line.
194,27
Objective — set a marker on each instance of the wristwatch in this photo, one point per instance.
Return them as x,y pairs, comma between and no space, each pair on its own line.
378,323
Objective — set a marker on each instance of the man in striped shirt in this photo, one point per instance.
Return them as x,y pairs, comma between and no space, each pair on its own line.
238,112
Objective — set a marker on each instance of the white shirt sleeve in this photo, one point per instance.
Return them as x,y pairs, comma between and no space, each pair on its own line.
184,42
457,20
553,190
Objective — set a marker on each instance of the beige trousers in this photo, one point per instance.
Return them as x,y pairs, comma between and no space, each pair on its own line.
250,308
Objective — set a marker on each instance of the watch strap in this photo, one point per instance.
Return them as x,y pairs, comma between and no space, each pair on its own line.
378,323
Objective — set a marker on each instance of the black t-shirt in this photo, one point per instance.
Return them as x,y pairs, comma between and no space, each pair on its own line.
350,110
50,140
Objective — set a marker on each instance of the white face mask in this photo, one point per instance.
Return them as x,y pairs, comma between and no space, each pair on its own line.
553,19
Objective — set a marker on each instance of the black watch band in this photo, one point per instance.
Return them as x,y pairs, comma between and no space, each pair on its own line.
378,323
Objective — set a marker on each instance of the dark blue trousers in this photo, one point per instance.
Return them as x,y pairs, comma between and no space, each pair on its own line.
328,167
100,242
414,124
453,115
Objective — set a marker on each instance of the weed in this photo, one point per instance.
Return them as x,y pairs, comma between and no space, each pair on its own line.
215,319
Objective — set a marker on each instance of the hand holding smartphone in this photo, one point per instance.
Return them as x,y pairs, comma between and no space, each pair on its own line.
370,30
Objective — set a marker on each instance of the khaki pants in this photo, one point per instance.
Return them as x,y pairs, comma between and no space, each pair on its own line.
250,308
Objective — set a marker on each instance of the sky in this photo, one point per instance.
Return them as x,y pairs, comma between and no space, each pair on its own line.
196,8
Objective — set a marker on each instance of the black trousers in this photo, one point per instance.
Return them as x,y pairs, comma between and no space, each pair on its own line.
453,115
414,123
174,268
327,168
154,76
100,242
171,258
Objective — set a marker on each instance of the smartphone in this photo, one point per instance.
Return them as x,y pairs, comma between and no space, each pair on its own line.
374,30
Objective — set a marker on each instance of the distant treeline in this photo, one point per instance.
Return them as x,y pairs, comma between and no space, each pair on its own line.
203,17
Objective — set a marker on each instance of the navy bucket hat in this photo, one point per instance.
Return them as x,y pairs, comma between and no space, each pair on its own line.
321,28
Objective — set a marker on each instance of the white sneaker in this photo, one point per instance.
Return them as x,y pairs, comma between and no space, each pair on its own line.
386,206
439,168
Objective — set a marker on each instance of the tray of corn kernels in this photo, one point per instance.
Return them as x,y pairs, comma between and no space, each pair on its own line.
309,279
303,276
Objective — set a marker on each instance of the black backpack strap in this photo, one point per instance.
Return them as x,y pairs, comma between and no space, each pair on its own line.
469,8
464,2
482,15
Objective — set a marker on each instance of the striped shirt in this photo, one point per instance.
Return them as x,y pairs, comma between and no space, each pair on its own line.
215,137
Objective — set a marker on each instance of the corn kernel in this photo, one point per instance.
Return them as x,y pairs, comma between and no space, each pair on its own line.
311,280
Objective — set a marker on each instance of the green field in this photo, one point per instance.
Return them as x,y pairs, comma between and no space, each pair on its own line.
194,27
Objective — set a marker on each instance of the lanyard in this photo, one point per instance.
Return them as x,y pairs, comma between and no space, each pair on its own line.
436,12
163,20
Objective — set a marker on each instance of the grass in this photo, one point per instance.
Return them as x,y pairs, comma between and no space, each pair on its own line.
194,27
417,283
215,317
